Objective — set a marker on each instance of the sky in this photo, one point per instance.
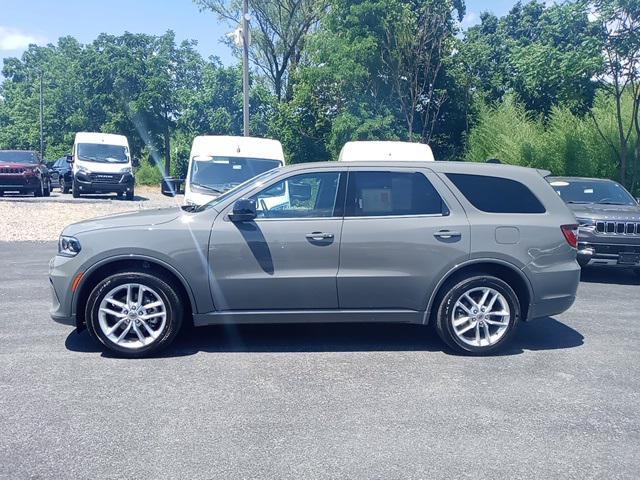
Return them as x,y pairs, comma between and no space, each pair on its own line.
43,21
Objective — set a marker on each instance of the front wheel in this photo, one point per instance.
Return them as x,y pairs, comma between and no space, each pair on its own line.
75,191
130,195
478,315
39,191
637,272
134,314
47,188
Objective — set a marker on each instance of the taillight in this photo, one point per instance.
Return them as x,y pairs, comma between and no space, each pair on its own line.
570,232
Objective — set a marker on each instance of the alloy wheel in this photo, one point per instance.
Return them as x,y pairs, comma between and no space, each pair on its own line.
481,317
132,315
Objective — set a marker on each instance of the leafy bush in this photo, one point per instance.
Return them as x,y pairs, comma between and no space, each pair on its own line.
148,174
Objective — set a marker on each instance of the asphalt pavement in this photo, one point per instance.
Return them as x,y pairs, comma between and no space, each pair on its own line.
320,401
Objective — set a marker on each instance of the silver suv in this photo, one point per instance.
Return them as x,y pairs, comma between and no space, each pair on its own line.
472,248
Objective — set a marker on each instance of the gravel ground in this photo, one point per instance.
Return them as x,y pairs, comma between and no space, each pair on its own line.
320,401
42,219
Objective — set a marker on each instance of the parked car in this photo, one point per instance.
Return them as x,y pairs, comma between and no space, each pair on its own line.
101,163
61,175
472,248
219,163
23,171
372,150
609,219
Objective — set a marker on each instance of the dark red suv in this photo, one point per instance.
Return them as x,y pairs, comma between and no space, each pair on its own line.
22,171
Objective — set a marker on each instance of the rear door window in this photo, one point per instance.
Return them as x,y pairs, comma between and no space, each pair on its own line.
496,194
379,193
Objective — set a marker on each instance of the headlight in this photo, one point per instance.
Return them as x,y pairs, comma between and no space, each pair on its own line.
68,246
125,170
83,171
586,222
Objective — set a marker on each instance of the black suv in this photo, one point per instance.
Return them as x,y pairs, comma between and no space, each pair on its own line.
24,172
609,219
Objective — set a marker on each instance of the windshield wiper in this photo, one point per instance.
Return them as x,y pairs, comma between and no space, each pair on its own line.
206,187
612,203
580,202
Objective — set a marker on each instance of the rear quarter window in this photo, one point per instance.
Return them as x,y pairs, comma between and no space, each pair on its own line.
496,194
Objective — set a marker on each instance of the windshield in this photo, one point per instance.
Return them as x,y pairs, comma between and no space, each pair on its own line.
219,174
249,184
103,153
592,191
10,156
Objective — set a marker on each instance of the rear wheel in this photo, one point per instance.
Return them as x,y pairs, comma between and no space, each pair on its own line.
478,315
134,314
64,188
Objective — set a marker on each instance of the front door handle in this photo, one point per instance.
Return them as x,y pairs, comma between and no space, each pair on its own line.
319,236
447,234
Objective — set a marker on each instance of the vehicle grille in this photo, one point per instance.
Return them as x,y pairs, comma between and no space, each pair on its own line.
618,228
105,177
11,170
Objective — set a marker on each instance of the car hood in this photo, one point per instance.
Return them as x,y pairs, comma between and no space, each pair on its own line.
18,165
140,218
609,212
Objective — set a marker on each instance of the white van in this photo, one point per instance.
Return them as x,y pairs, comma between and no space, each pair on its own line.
101,163
218,163
367,151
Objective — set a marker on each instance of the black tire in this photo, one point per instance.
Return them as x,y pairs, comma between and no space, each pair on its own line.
130,195
64,188
47,188
446,311
167,292
39,191
75,191
637,272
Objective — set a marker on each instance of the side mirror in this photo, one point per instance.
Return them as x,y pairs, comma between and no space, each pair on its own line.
244,210
135,161
69,158
171,186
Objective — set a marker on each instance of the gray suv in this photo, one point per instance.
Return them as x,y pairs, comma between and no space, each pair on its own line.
471,248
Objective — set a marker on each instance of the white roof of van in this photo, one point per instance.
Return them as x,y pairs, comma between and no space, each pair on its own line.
362,151
97,137
230,146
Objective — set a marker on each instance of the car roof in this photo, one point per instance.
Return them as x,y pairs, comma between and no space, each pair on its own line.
471,168
16,150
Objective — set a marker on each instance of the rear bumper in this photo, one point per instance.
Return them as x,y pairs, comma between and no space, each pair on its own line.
554,288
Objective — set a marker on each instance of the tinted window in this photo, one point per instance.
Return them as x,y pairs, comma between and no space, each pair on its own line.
391,193
309,195
103,153
223,173
496,195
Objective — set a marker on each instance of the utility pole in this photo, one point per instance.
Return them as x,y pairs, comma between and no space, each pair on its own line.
41,119
245,67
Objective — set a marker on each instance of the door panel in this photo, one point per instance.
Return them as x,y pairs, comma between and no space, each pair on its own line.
396,261
287,258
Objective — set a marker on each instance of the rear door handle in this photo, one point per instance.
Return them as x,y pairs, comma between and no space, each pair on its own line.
447,234
319,236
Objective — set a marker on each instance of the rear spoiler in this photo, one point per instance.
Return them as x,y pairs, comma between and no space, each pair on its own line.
544,173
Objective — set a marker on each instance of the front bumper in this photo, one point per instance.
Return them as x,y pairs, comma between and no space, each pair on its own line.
19,182
608,249
61,272
104,182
